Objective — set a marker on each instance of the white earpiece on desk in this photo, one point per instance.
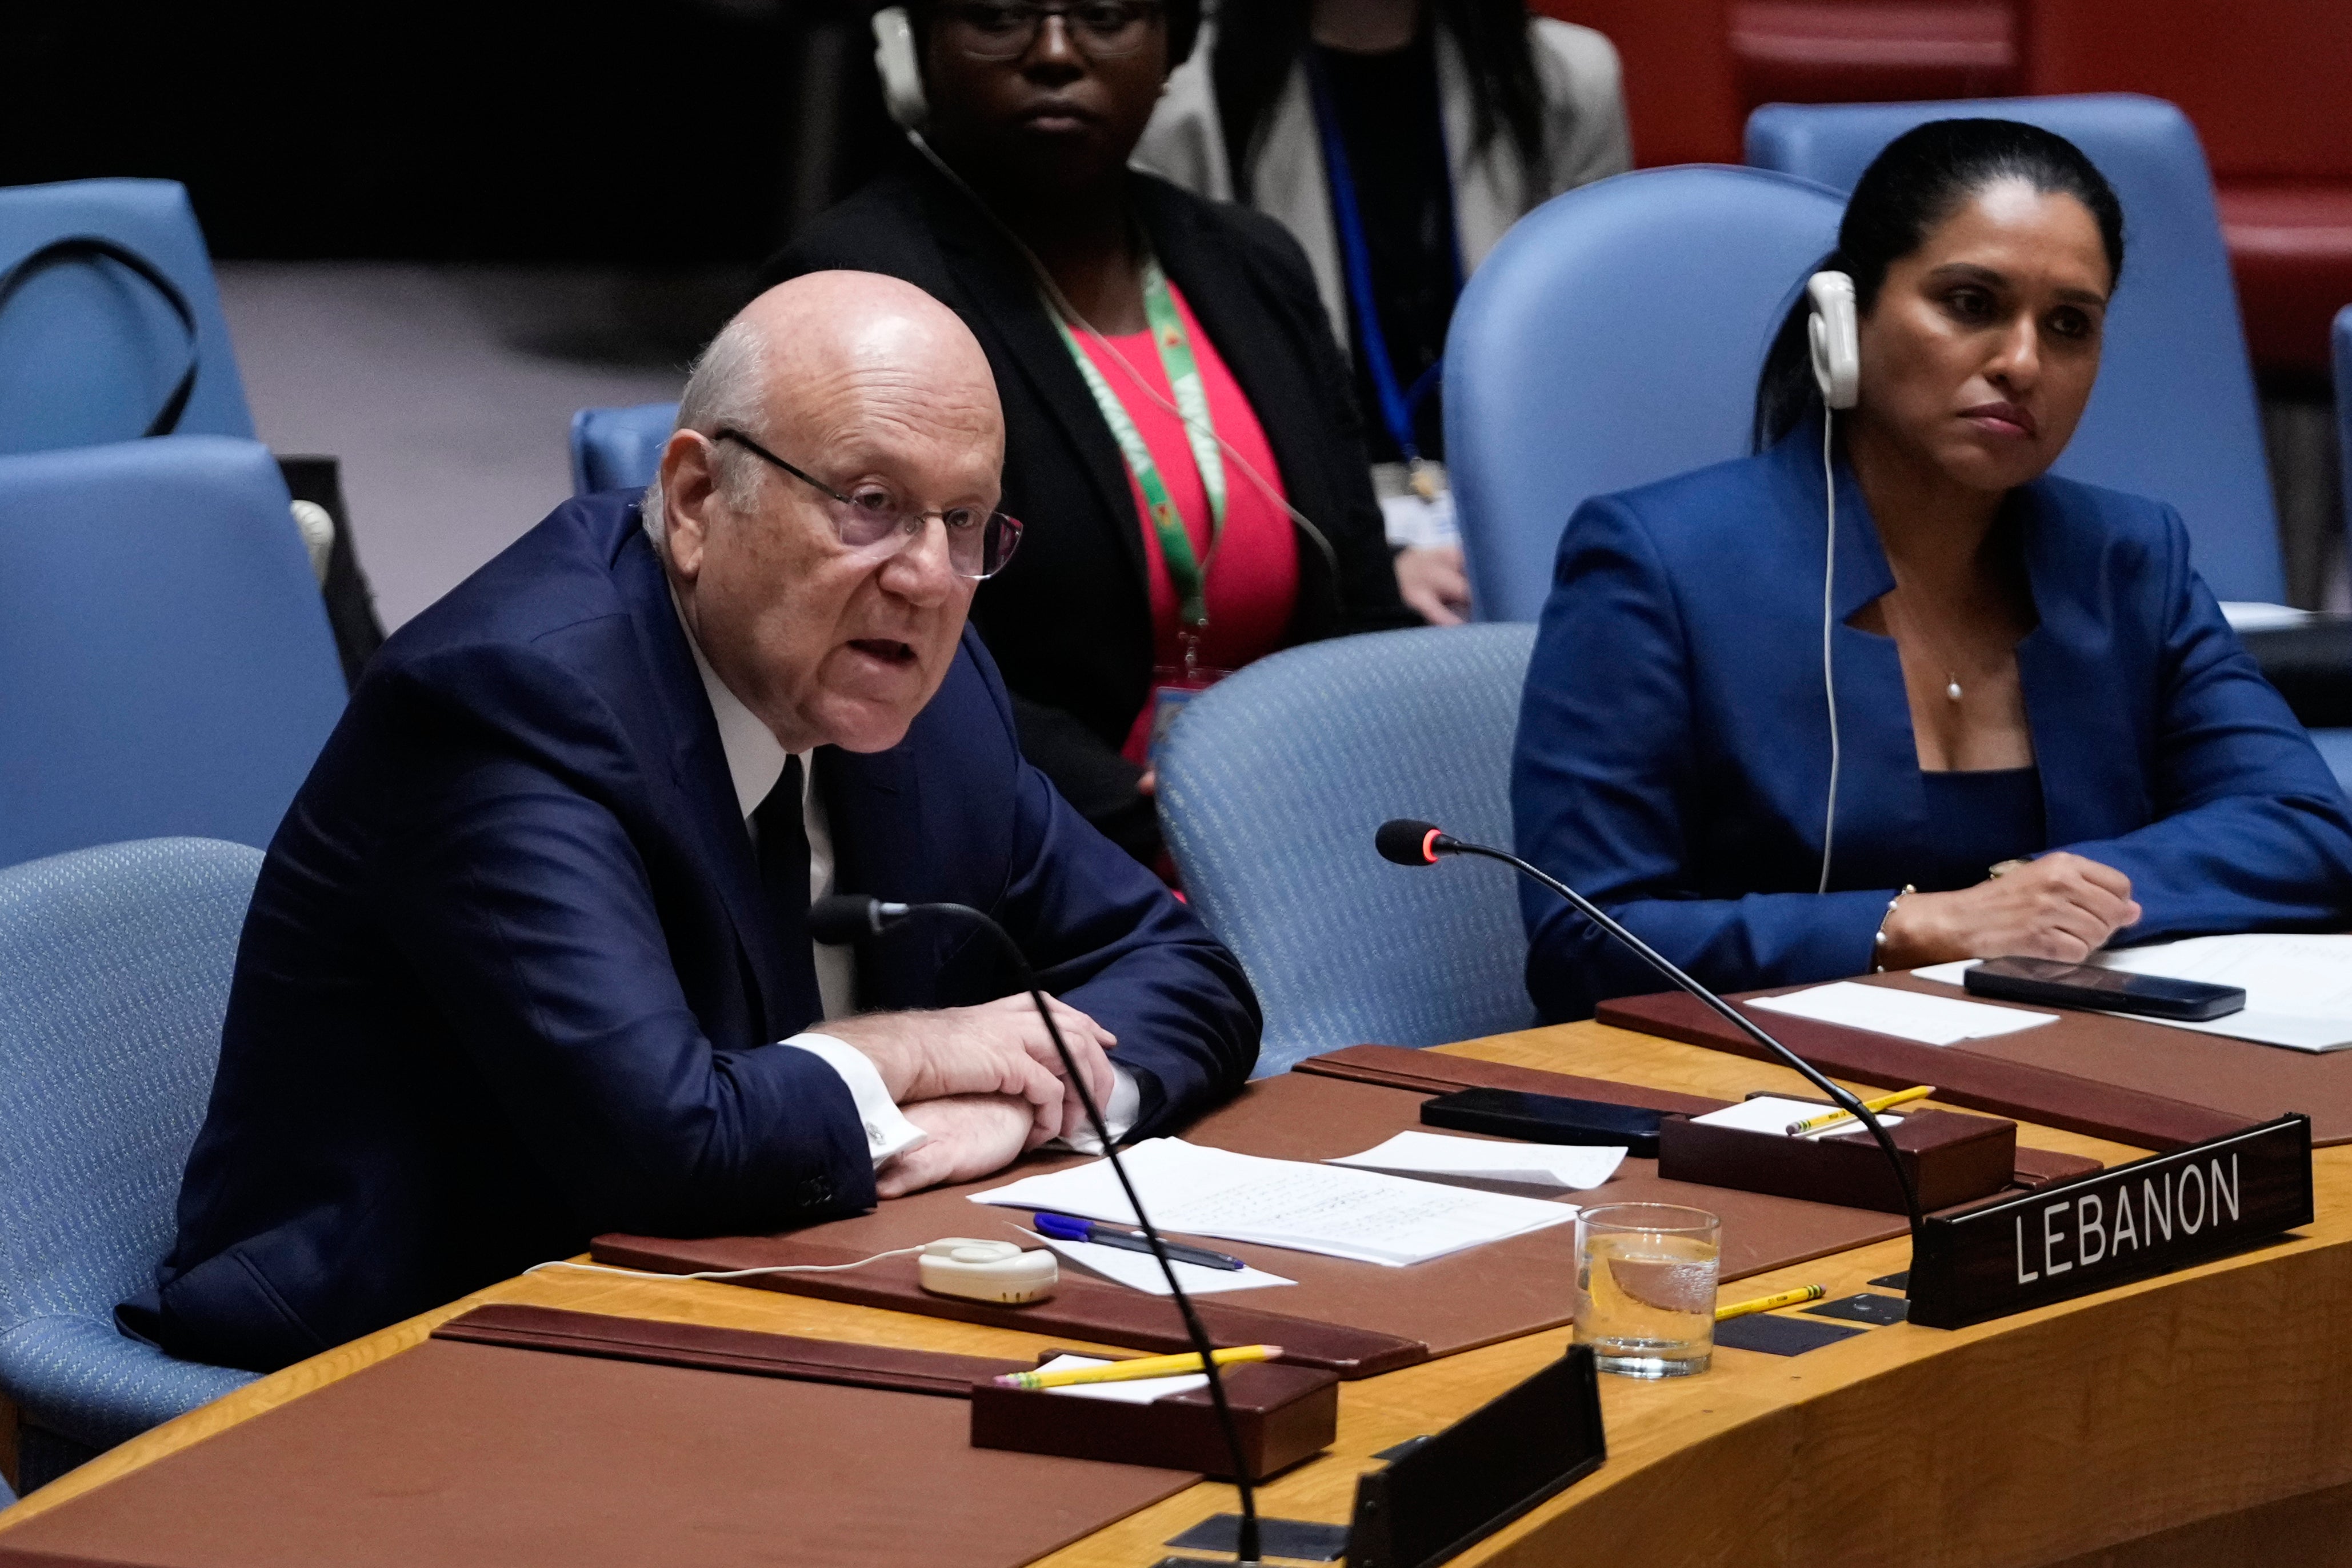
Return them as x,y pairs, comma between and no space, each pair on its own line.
987,1270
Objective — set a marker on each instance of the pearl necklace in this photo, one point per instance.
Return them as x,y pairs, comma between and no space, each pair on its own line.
1952,692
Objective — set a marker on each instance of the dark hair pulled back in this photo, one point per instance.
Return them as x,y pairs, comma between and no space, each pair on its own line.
1921,178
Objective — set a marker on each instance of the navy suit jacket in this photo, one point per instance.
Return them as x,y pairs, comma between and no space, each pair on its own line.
1673,749
510,979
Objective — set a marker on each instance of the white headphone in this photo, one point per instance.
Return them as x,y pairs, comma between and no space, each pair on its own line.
1836,343
901,73
1835,338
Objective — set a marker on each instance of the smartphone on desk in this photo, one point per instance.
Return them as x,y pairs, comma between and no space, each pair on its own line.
2051,983
1545,1118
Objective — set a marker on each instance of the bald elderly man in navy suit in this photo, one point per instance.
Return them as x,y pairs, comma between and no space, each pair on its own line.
529,959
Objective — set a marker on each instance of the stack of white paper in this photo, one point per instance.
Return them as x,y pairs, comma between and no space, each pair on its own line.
1135,1391
1341,1213
1907,1015
1522,1164
1769,1113
2298,987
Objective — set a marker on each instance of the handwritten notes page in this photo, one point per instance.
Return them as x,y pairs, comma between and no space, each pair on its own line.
1328,1209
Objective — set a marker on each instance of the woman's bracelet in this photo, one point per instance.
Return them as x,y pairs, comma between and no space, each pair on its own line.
1878,942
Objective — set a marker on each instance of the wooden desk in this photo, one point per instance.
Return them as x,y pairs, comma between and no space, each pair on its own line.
2202,1418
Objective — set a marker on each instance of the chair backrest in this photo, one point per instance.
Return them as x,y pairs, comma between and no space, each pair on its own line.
2174,415
2262,80
619,448
1681,78
114,976
89,350
1271,786
165,664
2342,338
1614,338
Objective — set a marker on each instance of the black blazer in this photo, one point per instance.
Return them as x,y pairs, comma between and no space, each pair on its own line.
1070,619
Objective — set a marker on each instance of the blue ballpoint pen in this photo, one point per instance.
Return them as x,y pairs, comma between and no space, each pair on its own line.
1069,1227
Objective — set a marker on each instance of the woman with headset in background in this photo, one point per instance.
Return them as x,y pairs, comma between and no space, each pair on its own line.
2014,663
1179,434
1396,140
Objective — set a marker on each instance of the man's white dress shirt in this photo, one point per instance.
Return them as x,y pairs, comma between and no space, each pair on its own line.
755,761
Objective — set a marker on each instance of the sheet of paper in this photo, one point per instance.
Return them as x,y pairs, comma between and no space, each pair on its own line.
1565,1165
1140,1270
1142,1391
1769,1113
1907,1015
2287,973
2254,615
2298,985
1339,1213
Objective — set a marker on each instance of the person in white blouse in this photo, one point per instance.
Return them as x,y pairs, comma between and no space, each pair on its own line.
1396,140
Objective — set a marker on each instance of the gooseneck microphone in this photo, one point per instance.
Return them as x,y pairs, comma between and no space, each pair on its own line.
845,918
1410,843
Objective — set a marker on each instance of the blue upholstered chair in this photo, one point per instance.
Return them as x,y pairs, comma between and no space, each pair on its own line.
1271,784
165,666
2342,337
2336,745
619,448
90,350
2175,414
115,975
1611,339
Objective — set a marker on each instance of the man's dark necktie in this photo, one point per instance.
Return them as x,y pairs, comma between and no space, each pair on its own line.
783,853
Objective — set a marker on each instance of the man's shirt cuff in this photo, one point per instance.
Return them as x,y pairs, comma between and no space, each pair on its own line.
889,1134
1119,1115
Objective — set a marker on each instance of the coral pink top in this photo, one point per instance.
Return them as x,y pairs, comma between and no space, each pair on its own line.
1252,579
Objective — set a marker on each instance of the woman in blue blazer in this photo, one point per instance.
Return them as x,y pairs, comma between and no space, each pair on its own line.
2047,740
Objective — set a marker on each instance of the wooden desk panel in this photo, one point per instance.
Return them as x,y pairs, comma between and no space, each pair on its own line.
2206,1416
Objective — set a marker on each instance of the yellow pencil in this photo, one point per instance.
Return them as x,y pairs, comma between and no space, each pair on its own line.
1141,1367
1884,1102
1802,1293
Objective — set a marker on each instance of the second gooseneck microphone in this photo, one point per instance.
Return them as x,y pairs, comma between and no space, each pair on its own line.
1410,843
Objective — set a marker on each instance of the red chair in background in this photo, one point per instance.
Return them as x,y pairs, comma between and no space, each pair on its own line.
2268,84
1682,90
1695,67
1873,51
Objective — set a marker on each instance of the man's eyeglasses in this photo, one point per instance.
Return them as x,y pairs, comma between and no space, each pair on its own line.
979,543
1004,29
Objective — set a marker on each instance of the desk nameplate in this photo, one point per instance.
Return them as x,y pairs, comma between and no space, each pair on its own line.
1455,1488
2152,1216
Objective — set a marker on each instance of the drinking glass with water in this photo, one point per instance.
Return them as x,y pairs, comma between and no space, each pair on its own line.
1646,1279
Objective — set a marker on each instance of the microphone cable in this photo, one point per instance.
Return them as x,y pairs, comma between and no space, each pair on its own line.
1829,615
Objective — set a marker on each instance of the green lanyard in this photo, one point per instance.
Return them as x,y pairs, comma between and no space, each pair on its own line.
1187,572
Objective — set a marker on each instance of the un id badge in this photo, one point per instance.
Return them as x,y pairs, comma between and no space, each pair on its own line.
1172,686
